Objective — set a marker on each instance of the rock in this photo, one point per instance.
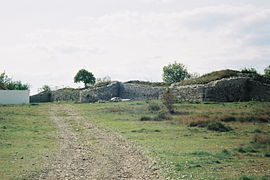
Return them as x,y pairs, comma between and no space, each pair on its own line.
116,99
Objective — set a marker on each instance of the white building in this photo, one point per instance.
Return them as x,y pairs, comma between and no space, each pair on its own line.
14,96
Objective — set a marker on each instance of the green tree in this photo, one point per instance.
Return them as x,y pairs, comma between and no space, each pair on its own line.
175,72
85,76
267,71
6,83
45,88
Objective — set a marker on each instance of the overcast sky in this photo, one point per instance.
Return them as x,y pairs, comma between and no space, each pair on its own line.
48,41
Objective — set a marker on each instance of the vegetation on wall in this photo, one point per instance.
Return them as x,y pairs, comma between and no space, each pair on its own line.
175,72
267,71
213,76
86,77
103,81
6,83
249,70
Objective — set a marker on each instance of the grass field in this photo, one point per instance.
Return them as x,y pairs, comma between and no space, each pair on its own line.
26,139
239,150
194,152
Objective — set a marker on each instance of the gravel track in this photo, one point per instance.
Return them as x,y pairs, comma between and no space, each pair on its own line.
88,151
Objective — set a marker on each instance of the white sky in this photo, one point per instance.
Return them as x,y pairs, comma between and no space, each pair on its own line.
48,41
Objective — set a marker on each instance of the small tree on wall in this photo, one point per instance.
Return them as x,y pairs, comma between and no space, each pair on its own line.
85,76
175,72
267,71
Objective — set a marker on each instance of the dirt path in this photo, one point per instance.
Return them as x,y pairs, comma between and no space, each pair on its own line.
90,152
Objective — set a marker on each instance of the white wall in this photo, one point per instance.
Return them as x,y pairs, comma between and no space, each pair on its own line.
14,96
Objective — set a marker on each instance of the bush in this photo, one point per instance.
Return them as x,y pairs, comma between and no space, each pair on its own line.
217,126
6,83
153,106
261,139
199,124
249,70
228,119
246,178
248,150
162,115
267,71
168,100
145,118
103,81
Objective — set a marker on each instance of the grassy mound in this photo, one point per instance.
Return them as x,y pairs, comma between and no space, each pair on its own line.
213,76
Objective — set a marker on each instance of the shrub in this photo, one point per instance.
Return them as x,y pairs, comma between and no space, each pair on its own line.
168,100
162,115
249,70
267,71
199,124
247,150
217,126
261,139
243,177
103,81
228,119
153,106
145,118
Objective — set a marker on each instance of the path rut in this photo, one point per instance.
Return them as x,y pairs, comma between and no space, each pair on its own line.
88,151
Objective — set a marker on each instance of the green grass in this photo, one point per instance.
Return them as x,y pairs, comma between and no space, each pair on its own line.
213,76
26,139
191,152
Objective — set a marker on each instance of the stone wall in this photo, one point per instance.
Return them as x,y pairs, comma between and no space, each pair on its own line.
65,95
41,97
224,90
104,93
227,90
259,91
140,92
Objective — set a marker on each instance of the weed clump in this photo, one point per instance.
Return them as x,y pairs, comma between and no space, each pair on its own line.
168,100
162,115
217,126
261,139
211,125
248,150
228,119
145,118
152,106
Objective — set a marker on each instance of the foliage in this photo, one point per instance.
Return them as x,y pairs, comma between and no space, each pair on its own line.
85,76
162,115
145,118
45,88
103,81
210,125
213,76
249,70
152,106
6,83
267,71
175,72
168,99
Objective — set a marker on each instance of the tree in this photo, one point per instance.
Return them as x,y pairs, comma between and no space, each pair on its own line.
85,76
168,100
175,72
45,88
267,71
6,83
